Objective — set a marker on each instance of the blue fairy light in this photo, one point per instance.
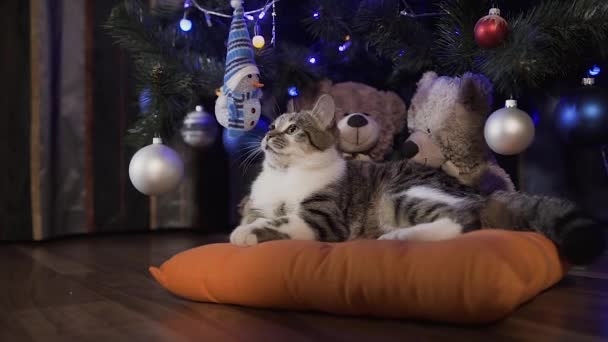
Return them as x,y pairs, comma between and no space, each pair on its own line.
312,60
316,15
293,91
344,46
594,70
250,17
262,15
185,24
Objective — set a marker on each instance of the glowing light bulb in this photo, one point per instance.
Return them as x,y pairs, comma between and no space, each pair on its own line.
262,15
293,91
344,46
258,42
594,70
312,60
316,15
185,24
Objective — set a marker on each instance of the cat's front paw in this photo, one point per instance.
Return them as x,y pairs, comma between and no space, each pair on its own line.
244,236
397,234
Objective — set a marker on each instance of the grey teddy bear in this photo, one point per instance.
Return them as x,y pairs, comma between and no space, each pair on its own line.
446,120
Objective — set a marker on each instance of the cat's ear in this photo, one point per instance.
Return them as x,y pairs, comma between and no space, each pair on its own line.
291,106
324,111
475,93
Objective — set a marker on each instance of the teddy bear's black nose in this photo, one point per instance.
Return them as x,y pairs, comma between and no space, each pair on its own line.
357,121
410,149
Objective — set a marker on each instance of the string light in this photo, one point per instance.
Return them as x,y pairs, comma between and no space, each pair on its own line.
293,91
316,15
312,60
223,15
208,19
274,24
594,70
260,12
346,45
185,24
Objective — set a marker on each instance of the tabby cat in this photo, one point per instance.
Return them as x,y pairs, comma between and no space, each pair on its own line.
307,191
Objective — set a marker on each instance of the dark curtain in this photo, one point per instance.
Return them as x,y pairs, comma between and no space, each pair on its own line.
15,217
69,97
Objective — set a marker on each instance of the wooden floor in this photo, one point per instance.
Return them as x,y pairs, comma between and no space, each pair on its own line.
98,289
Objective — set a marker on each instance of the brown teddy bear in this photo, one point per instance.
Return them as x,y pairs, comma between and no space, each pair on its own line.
446,120
368,119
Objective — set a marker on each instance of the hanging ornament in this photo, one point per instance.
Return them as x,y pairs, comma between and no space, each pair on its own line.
491,30
509,130
199,128
258,41
582,116
238,107
156,169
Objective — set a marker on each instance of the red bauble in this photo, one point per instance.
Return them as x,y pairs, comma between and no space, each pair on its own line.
491,30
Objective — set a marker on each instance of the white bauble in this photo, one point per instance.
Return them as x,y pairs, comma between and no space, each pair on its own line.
156,169
509,130
199,128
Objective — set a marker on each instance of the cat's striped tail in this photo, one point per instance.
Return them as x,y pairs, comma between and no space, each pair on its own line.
579,239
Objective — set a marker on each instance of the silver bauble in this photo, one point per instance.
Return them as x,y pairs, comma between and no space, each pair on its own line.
199,129
509,130
156,169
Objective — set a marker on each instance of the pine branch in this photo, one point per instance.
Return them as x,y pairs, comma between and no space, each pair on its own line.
175,78
333,21
547,42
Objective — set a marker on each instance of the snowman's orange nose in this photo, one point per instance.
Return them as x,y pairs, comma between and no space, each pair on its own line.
257,84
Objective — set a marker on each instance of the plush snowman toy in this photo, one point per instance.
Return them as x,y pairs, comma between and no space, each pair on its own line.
238,106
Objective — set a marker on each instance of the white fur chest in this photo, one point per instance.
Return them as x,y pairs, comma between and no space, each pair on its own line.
273,187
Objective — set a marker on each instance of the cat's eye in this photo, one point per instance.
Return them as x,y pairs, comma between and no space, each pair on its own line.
272,127
291,129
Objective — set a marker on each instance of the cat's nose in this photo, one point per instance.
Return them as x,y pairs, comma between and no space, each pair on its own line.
357,121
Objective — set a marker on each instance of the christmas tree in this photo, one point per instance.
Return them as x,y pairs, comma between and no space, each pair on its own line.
179,48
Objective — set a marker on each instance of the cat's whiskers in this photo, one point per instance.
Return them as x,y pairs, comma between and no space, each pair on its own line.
245,155
251,159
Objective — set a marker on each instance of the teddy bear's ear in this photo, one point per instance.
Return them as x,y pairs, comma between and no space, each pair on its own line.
475,92
324,111
427,78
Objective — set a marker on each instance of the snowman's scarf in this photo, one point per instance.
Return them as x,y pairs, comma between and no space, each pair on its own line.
236,115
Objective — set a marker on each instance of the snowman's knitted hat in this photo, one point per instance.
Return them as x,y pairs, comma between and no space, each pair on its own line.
240,57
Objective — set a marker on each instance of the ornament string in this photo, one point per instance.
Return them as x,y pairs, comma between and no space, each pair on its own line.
206,11
274,25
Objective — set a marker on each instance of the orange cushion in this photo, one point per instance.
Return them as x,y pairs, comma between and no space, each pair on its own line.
477,277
